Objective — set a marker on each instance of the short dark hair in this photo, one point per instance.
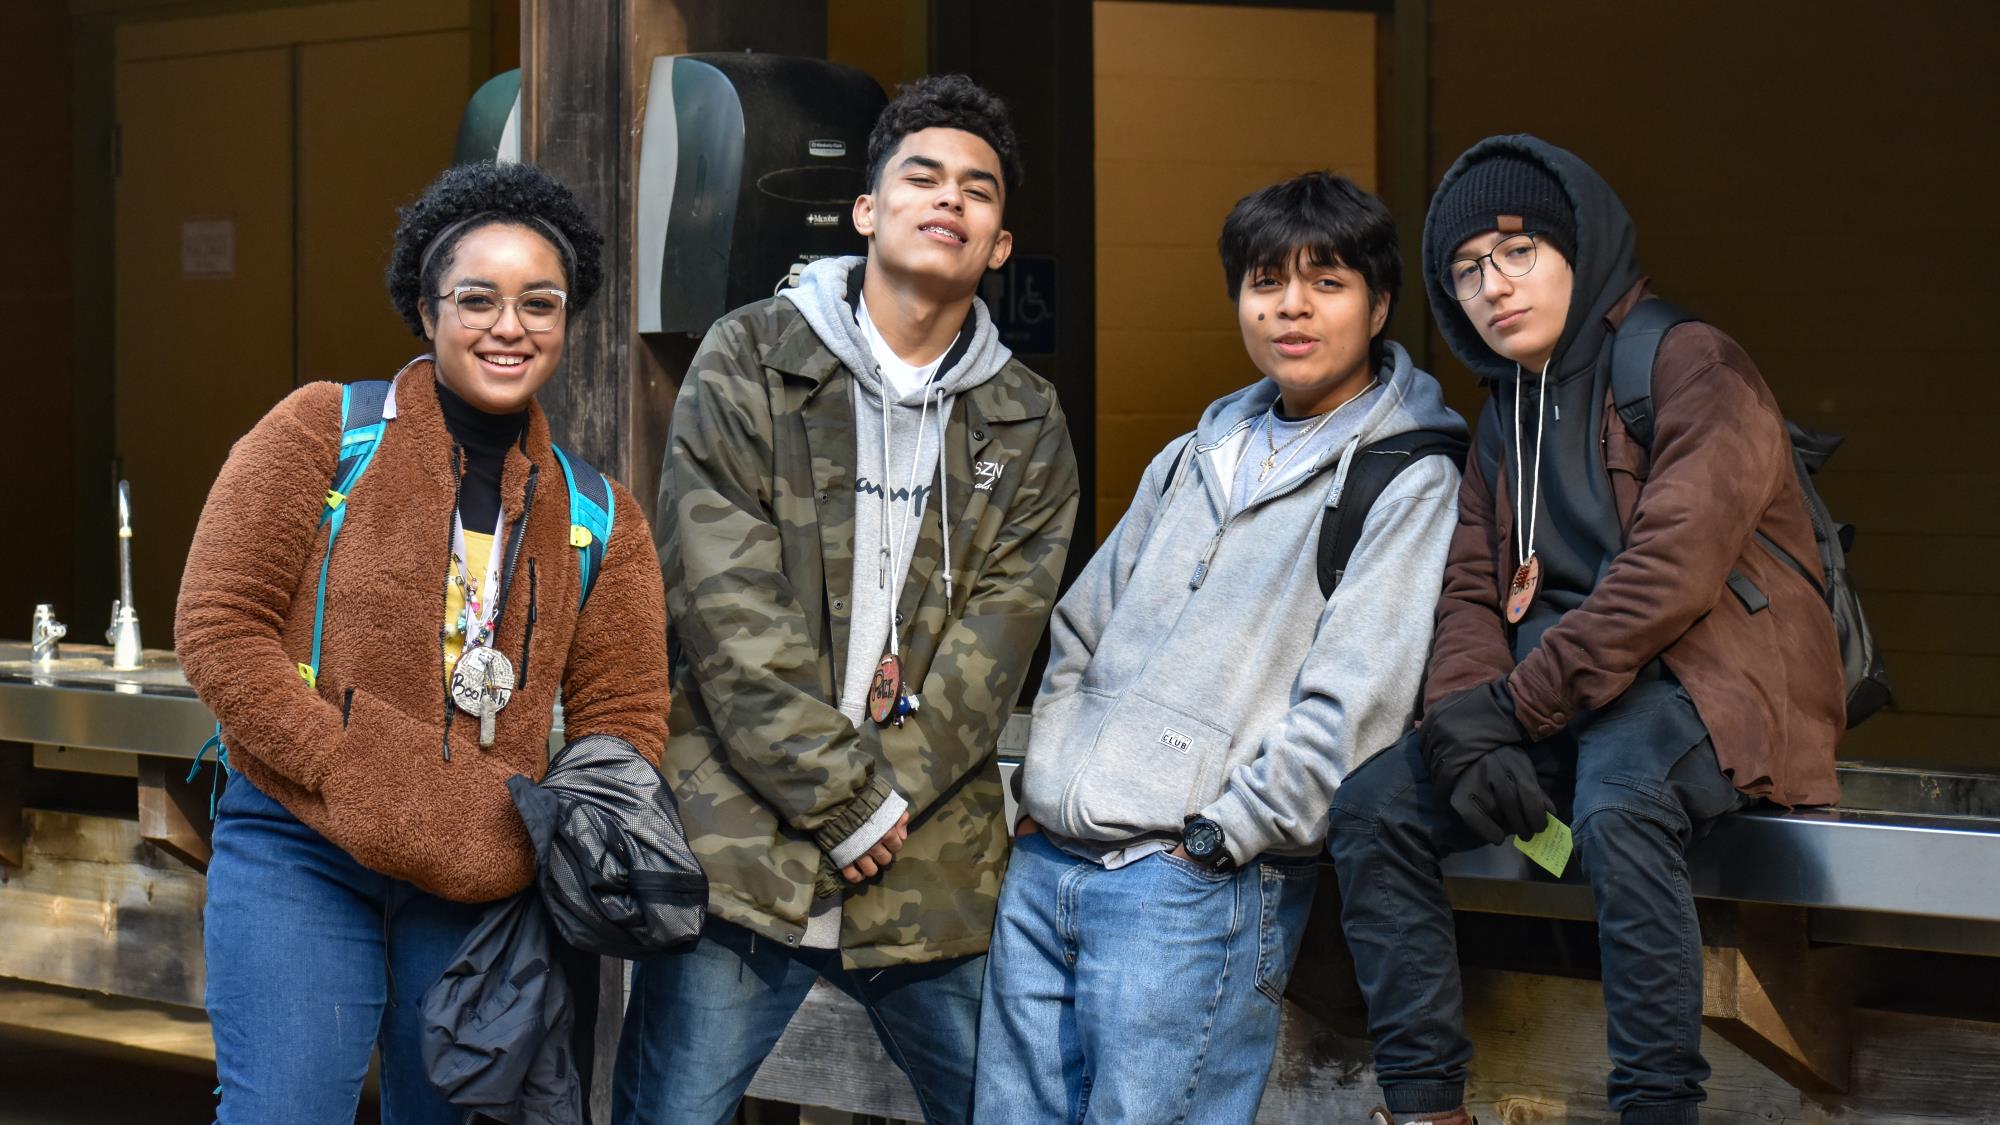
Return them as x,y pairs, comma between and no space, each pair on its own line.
473,196
1326,218
950,101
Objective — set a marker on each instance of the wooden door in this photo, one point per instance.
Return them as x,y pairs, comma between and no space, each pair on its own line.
1198,105
203,323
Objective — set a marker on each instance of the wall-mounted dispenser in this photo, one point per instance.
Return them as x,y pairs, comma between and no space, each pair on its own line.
748,170
490,128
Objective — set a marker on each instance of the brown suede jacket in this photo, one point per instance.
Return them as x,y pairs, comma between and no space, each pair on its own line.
377,759
1768,684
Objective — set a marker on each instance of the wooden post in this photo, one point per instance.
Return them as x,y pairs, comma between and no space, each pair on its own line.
15,761
1777,999
173,812
575,108
584,67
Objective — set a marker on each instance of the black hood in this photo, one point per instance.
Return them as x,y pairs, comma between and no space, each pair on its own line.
1606,265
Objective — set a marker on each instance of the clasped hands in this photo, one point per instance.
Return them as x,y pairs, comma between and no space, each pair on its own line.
1476,752
871,862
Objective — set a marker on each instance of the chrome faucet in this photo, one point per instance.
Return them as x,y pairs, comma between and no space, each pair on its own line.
43,637
123,636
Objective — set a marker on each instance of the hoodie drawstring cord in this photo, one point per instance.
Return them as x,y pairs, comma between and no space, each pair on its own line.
944,502
1340,474
903,527
882,568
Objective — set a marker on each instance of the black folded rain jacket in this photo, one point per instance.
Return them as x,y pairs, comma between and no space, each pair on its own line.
615,877
496,1036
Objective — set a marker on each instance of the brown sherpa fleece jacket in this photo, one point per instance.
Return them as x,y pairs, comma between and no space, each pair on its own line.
377,759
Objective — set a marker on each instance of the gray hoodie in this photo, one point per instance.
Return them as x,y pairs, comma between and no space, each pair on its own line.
1248,699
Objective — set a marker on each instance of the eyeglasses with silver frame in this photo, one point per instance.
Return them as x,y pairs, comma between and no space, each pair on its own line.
479,307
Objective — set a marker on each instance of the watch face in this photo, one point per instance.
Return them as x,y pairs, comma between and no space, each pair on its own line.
1202,838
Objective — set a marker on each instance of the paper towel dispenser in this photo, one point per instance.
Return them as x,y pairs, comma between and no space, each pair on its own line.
748,169
490,127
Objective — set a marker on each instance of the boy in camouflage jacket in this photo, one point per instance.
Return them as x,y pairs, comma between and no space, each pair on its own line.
827,504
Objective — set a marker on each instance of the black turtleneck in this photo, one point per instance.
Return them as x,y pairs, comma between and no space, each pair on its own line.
485,438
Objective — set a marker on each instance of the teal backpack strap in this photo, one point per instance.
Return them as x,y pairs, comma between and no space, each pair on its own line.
360,433
590,517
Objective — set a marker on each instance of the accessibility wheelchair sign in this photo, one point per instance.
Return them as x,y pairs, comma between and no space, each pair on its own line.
1021,296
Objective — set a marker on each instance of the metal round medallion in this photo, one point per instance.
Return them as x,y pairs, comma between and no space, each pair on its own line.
482,673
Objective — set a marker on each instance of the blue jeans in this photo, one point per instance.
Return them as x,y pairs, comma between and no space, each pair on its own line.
1145,994
701,1022
1641,781
312,961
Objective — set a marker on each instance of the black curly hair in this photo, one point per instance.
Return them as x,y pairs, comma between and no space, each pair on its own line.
471,196
952,101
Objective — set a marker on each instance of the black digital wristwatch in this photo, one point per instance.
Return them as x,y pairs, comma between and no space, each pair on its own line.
1202,838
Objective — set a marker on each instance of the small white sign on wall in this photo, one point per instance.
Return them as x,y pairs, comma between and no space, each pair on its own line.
208,248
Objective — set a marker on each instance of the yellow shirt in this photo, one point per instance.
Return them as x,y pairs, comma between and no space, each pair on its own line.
478,550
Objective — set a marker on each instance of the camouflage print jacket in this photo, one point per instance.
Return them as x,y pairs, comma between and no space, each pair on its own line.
756,526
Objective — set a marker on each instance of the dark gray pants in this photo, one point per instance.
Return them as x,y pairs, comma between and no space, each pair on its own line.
1636,782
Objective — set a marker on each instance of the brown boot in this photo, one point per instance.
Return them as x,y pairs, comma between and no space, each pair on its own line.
1459,1116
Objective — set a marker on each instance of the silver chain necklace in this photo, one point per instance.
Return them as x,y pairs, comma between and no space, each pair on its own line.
1270,464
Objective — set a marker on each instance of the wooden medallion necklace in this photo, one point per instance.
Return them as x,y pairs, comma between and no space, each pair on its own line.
1527,506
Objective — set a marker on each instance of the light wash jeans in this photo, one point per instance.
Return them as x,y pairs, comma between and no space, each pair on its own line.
701,1022
314,960
1145,994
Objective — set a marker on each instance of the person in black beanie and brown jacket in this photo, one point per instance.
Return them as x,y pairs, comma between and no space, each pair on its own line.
367,816
1591,660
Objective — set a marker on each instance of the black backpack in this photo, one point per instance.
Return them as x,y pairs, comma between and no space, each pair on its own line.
1374,466
1633,349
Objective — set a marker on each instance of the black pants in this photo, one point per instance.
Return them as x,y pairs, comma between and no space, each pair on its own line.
1641,779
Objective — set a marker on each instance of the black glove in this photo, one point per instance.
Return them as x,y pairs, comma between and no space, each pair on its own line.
1465,728
1499,796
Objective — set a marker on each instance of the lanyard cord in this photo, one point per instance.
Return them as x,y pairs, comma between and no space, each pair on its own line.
476,623
1528,505
506,550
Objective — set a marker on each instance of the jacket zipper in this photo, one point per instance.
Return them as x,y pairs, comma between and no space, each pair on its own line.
1200,574
444,599
512,561
513,557
528,636
1207,561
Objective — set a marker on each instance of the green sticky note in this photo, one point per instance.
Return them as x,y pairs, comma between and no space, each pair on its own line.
1550,847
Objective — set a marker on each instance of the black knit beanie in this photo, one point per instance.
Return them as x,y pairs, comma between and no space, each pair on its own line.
1502,184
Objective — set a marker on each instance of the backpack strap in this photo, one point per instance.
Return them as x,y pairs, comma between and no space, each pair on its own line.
1174,470
590,517
1633,348
361,425
1373,467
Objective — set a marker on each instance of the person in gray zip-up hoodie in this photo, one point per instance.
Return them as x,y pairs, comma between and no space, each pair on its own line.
1205,696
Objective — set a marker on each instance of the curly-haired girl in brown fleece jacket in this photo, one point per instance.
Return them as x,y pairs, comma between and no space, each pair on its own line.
364,821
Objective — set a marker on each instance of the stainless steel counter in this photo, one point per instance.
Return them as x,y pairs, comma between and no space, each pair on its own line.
81,703
1918,866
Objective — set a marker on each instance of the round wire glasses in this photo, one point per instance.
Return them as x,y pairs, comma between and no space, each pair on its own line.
1512,256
